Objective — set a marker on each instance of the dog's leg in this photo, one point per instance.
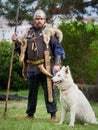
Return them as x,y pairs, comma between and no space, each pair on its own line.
60,96
63,115
72,116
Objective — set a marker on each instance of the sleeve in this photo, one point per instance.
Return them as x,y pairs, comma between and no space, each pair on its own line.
57,49
17,46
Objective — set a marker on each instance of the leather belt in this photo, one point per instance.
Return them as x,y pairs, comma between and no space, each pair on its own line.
37,61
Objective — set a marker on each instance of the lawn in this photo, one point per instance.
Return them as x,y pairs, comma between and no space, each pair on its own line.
16,110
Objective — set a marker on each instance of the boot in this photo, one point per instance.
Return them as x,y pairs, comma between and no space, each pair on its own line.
28,117
54,118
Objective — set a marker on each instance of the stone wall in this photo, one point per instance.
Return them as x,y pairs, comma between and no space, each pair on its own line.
90,91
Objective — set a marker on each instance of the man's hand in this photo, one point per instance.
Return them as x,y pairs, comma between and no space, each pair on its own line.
56,69
14,37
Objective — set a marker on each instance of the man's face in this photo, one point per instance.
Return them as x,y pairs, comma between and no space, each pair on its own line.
39,22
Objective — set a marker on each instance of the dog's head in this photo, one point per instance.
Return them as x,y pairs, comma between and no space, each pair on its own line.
62,78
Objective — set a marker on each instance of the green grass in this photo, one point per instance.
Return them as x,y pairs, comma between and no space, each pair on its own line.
16,110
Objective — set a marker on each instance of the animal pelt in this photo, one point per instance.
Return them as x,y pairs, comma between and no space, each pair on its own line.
47,33
50,31
72,99
22,61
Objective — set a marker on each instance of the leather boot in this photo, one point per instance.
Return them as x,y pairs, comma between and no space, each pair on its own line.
54,118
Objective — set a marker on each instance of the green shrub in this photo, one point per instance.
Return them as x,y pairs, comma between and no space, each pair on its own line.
93,62
17,81
77,38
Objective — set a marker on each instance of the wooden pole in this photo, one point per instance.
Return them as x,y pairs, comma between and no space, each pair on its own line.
11,63
9,80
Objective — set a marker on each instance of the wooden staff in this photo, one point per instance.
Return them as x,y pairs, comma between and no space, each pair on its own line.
11,62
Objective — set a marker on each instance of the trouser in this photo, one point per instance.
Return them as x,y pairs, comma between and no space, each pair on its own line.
33,85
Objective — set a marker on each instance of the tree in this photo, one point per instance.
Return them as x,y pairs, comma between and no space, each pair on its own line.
25,10
51,7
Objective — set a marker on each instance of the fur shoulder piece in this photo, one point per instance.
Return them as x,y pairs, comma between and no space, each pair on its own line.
23,41
23,48
50,31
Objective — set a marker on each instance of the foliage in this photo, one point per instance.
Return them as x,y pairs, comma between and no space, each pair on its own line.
77,39
17,81
9,10
93,62
27,7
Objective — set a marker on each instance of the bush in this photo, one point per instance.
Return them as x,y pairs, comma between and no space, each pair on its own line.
93,62
77,39
17,81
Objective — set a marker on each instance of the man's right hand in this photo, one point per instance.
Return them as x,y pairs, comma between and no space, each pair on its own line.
14,37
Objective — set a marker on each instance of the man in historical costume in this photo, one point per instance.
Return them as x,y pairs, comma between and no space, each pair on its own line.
41,37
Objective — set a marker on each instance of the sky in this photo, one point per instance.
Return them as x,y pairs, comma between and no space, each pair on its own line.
92,11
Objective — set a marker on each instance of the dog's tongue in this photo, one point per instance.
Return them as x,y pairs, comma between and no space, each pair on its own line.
54,85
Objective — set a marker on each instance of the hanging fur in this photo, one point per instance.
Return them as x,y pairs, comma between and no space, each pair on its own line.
47,33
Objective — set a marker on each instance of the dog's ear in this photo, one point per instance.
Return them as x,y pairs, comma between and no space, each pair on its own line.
67,69
63,68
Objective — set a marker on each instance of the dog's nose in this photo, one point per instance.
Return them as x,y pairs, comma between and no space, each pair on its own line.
52,79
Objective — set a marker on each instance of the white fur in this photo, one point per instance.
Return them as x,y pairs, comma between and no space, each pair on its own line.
72,99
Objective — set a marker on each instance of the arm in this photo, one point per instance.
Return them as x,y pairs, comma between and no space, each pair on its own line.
17,43
58,53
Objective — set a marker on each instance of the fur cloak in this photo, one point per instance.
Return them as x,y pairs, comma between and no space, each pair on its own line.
47,33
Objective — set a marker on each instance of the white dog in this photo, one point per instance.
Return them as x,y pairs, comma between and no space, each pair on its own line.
72,99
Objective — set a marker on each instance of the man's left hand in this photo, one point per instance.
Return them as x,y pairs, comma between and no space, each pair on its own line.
56,68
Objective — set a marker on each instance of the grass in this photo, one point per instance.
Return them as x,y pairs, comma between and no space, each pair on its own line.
16,110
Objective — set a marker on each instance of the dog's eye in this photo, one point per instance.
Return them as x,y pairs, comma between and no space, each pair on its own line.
58,75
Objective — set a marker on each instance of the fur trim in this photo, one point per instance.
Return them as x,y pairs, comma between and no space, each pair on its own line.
50,31
23,48
22,56
47,33
24,70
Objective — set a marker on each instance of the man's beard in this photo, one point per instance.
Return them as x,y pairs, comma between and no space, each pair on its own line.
39,25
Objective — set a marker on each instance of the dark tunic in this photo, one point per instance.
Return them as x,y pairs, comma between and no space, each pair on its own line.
35,48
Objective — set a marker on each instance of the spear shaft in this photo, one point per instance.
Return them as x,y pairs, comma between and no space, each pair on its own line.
11,62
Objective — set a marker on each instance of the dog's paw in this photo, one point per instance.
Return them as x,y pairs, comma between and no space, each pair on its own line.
60,122
85,124
96,122
71,124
